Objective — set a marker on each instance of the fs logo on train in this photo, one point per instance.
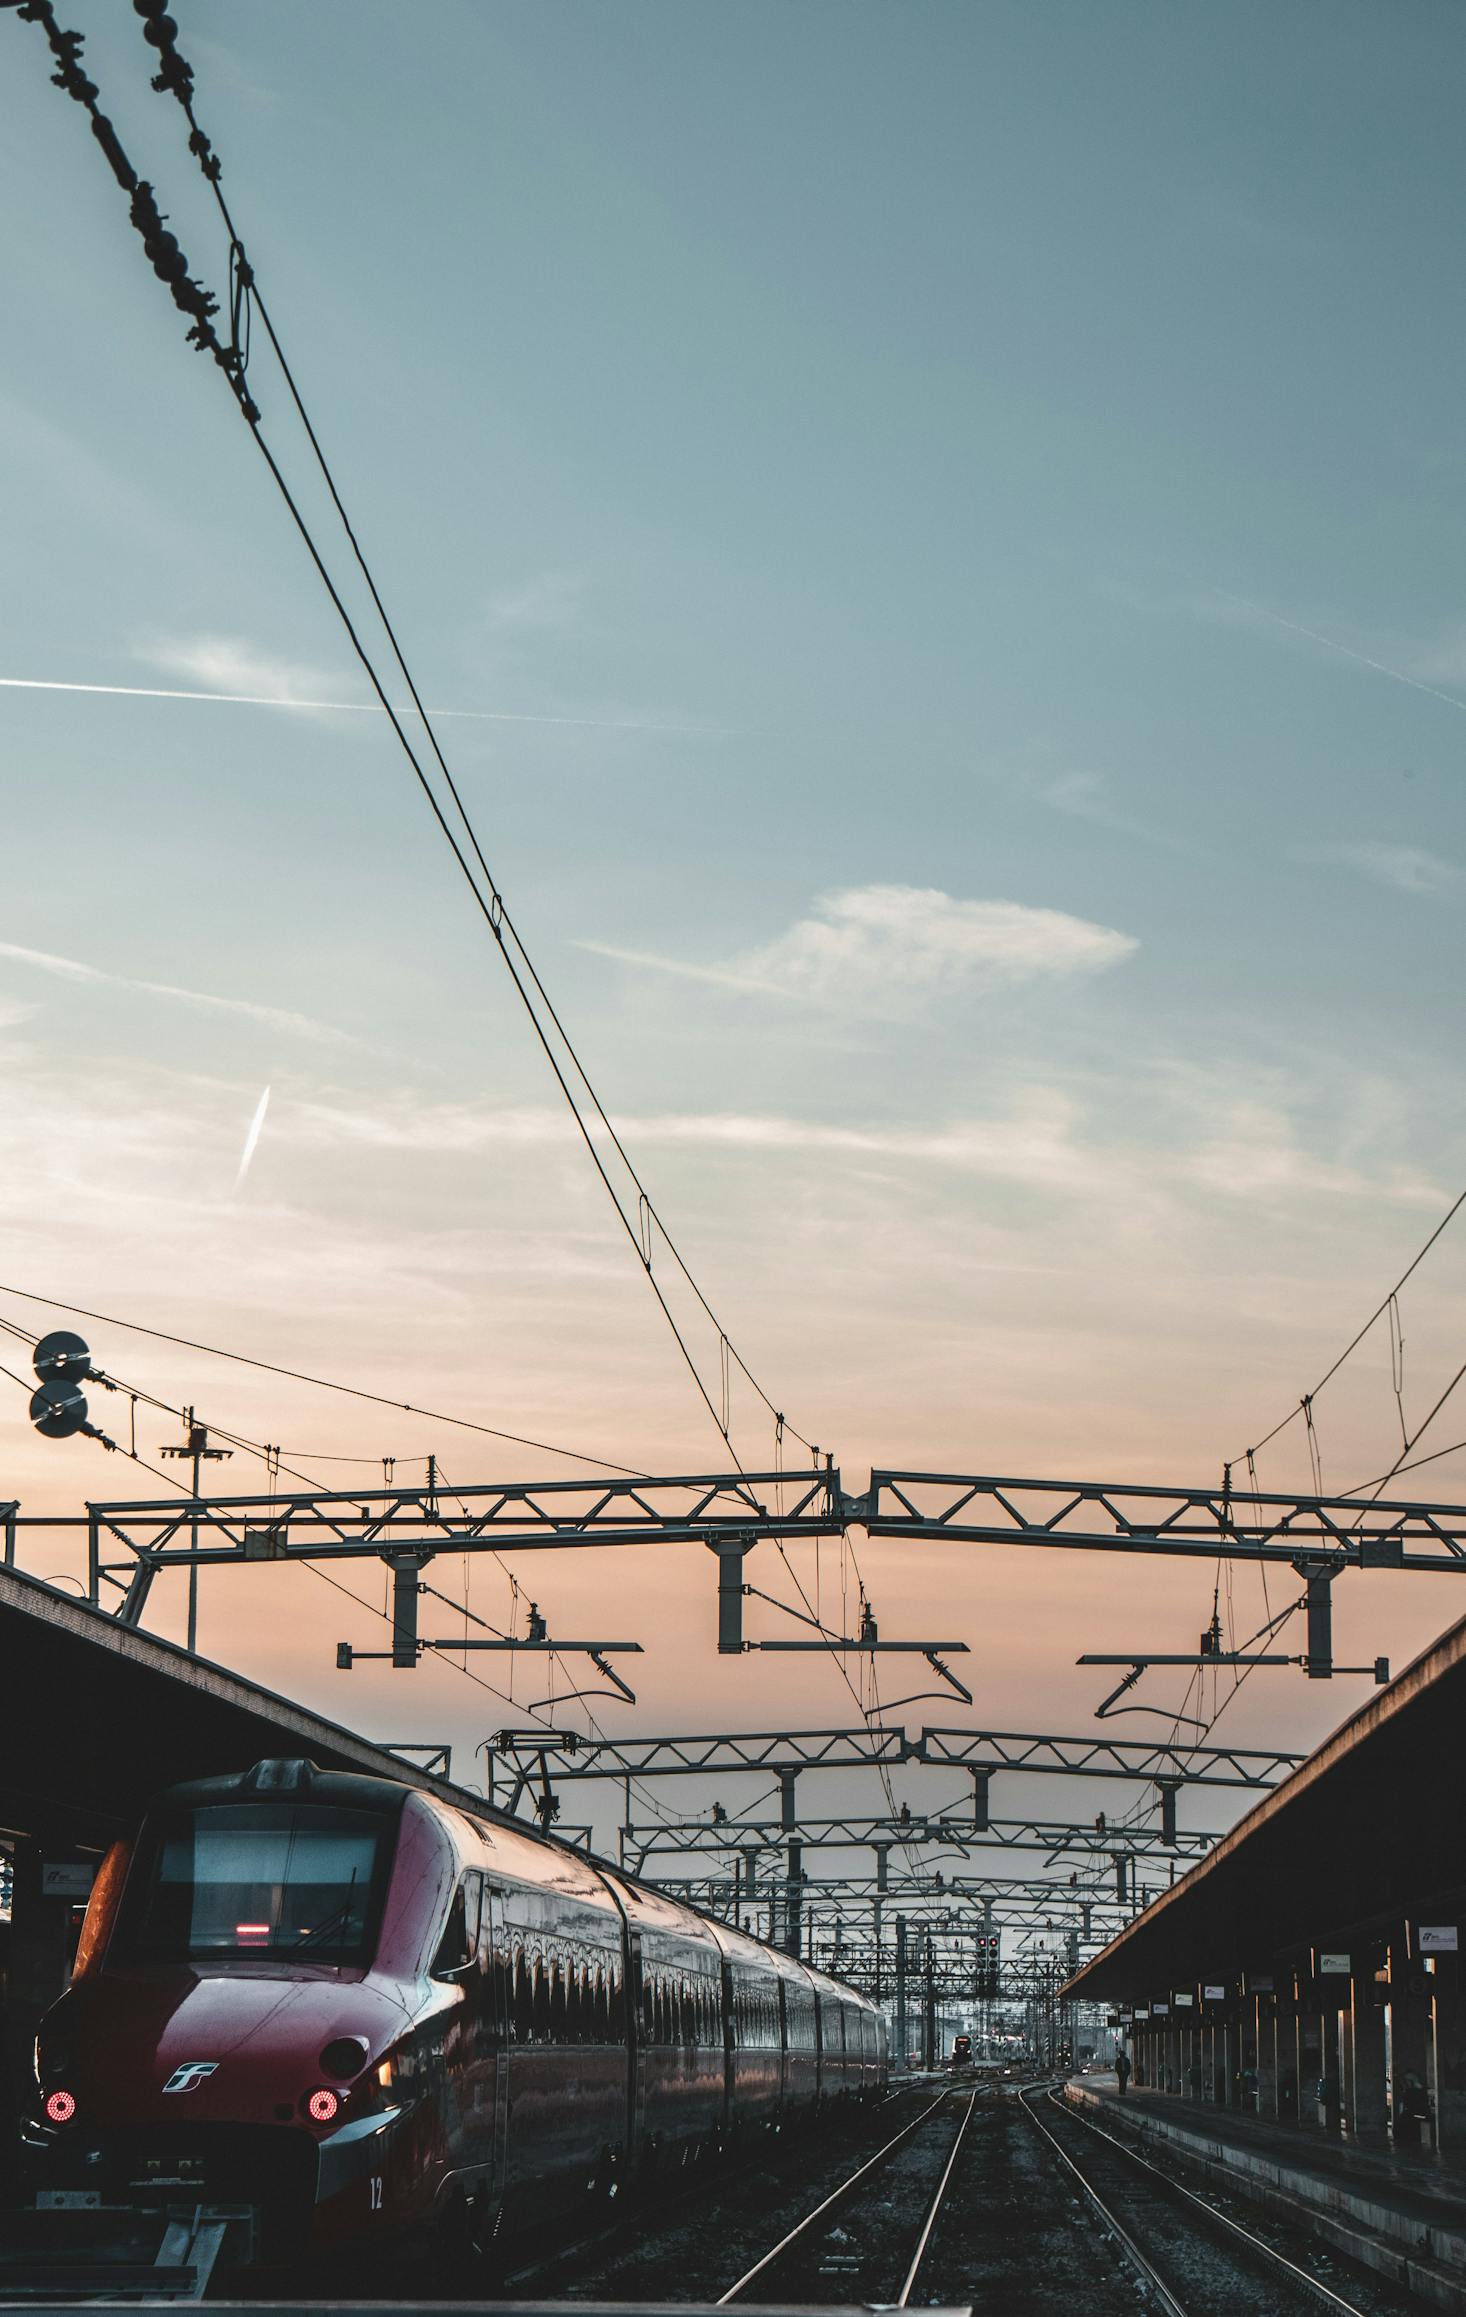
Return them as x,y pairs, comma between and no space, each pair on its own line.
190,2075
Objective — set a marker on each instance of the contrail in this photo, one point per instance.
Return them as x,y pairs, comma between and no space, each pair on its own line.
1451,699
351,707
252,1138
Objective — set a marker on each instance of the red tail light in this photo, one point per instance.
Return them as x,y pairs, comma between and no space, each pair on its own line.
321,2106
61,2107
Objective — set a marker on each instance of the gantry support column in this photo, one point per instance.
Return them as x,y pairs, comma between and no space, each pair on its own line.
1367,2110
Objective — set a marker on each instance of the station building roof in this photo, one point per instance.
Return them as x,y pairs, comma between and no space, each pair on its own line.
95,1718
1367,1831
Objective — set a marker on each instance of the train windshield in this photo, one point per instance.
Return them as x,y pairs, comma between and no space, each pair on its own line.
258,1878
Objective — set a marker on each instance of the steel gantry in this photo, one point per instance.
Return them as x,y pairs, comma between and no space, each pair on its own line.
777,1752
1055,1838
131,1543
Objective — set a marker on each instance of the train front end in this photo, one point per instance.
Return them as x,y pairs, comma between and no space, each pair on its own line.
245,2024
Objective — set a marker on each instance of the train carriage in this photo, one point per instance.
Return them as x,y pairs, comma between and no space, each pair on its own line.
363,2013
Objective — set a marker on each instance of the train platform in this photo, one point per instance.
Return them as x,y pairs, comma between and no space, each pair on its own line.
1401,2213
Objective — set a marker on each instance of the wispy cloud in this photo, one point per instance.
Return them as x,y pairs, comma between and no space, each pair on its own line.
233,674
878,948
1241,608
1042,1138
1406,868
1088,796
74,969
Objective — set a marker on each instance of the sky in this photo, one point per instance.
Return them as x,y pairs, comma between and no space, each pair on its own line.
940,532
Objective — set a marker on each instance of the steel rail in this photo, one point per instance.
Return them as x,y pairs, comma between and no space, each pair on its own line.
1150,2277
826,2204
1214,2212
936,2205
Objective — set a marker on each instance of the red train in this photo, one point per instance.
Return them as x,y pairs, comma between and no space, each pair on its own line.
364,2013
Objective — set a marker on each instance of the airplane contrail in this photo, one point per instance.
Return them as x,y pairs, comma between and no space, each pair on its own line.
349,707
252,1138
1380,667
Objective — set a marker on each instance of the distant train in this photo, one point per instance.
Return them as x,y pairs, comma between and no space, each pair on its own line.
363,2013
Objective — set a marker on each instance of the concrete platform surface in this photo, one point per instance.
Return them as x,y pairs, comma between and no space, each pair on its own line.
1401,2213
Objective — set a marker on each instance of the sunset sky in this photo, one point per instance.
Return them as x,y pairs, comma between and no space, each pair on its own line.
939,528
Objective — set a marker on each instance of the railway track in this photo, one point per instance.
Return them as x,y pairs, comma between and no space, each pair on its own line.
1215,2267
866,2252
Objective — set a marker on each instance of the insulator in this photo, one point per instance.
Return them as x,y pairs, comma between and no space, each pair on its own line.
160,31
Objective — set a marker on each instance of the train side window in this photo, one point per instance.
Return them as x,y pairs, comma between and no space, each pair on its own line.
457,1945
523,2004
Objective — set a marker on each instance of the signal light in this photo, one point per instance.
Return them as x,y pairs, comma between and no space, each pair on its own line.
61,2107
322,2105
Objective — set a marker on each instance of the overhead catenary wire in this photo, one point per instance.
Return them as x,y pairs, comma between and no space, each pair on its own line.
320,1383
1304,1406
590,1117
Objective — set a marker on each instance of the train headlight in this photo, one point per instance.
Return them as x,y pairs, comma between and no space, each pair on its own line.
345,2056
61,2106
322,2105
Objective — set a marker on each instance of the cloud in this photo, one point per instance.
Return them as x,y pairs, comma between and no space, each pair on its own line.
1241,611
220,661
271,1017
1088,796
227,665
1407,868
876,948
1038,1137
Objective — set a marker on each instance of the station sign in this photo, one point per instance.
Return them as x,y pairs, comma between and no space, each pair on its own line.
1438,1938
67,1879
1333,1966
1141,2011
1185,2001
1160,2010
1213,1993
1259,1983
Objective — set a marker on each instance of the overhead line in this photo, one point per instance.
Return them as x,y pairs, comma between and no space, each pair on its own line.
321,1383
175,75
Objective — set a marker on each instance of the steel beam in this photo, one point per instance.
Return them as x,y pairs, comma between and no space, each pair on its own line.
728,1753
1191,1523
658,1838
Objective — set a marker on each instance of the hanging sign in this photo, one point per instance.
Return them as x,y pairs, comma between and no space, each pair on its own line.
1184,2002
1438,1938
66,1879
1160,2010
1214,1994
1333,1966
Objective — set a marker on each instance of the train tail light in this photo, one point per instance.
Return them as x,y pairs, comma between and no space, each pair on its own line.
61,2106
323,2105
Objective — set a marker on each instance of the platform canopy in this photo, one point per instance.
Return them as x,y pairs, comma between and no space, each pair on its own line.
1367,1831
95,1718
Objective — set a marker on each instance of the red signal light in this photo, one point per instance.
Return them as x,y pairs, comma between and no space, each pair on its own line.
61,2107
322,2106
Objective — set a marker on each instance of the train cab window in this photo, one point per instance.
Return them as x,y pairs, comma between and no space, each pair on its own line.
242,1880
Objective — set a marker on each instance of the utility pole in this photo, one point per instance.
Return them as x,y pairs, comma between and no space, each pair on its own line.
195,1446
902,2039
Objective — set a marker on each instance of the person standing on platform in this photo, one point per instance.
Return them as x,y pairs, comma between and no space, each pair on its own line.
1122,2071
